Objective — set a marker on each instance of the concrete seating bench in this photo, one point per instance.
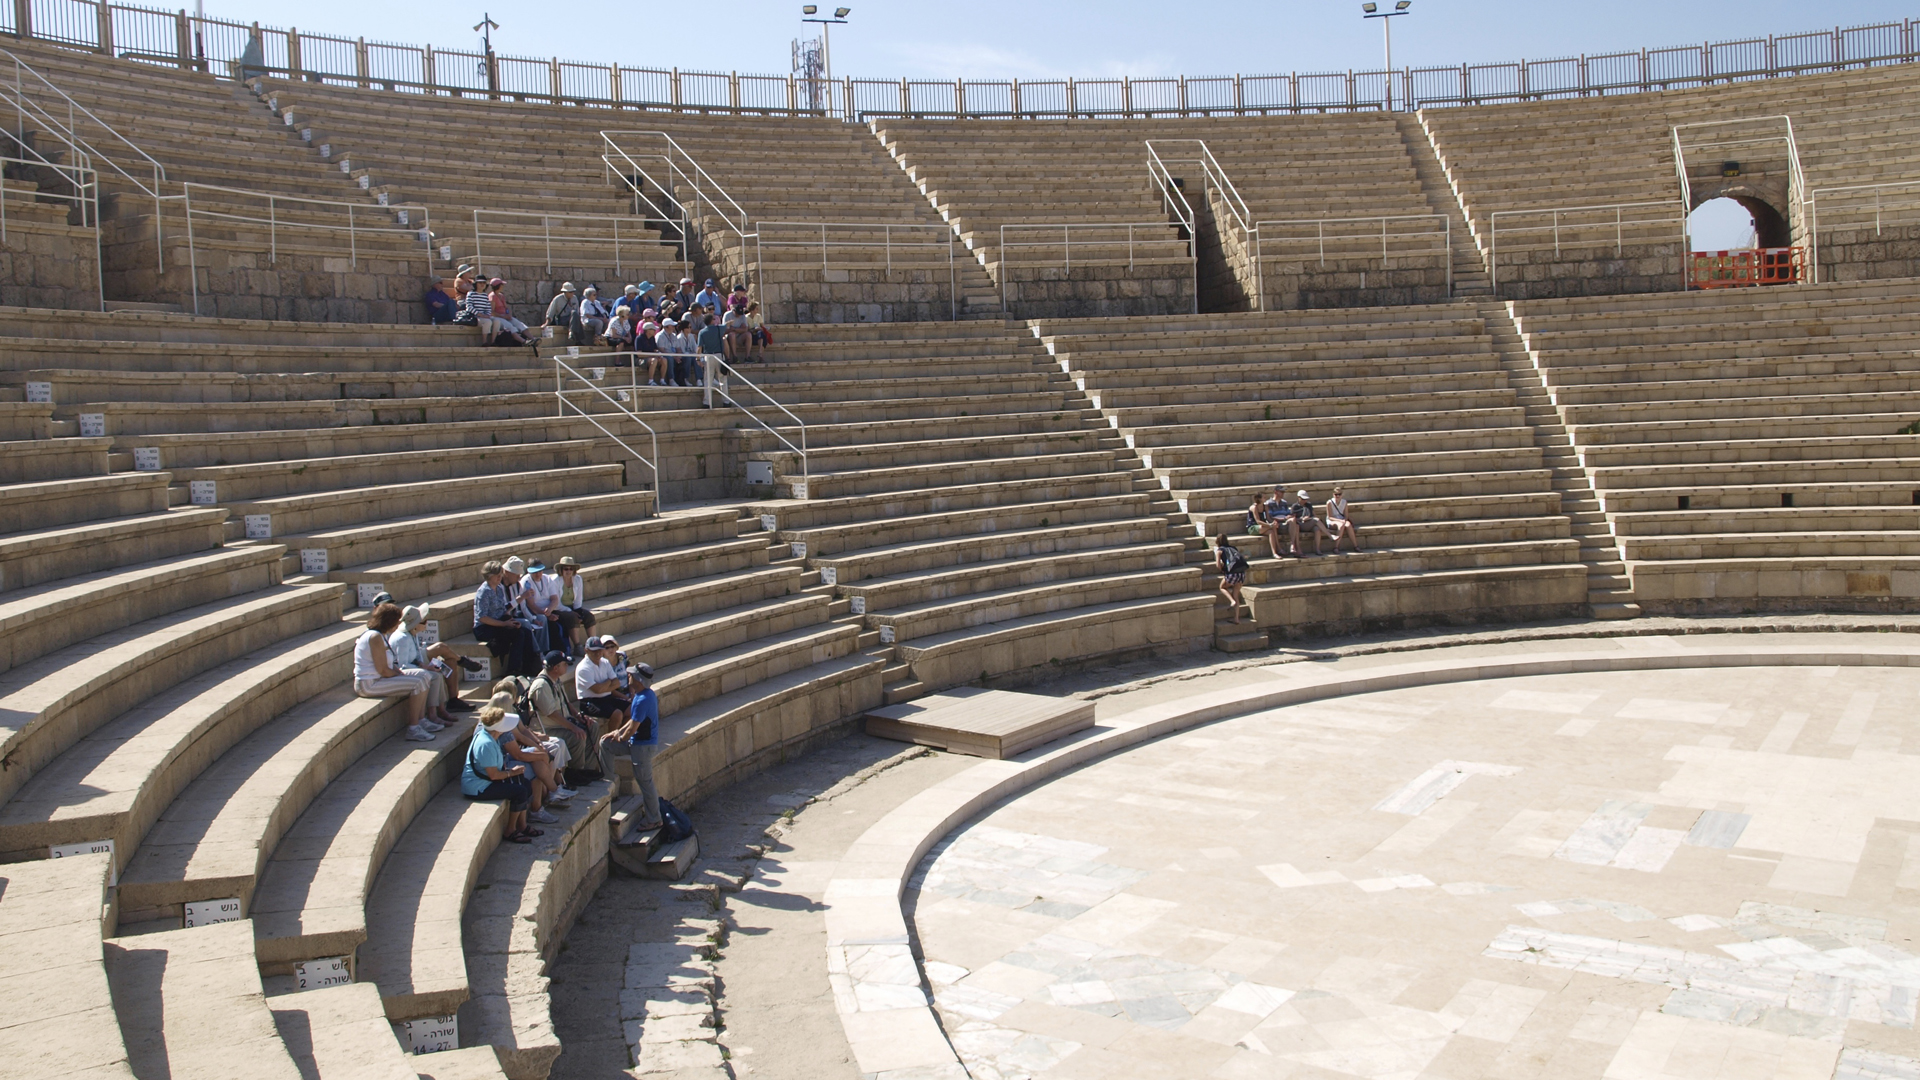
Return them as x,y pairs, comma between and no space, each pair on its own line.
310,899
59,699
213,840
114,782
96,603
174,987
41,556
89,498
53,913
340,1033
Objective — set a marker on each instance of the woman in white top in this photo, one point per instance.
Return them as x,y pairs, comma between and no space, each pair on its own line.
376,676
438,661
575,617
1338,523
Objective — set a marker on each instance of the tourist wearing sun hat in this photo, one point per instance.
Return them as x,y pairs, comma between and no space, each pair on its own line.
560,310
438,659
540,593
488,775
576,619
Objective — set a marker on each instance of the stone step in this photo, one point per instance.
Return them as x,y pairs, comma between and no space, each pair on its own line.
342,1031
55,907
172,988
1023,647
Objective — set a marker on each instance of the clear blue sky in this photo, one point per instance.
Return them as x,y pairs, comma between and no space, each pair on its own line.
1000,38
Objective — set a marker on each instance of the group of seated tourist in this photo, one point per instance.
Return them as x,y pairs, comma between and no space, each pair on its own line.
671,332
570,704
1276,516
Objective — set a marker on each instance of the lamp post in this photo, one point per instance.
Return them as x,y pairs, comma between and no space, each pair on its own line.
485,28
811,14
1372,11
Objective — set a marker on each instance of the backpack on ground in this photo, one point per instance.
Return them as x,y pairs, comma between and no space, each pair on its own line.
675,824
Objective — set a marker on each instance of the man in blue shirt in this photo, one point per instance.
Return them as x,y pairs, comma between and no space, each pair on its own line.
710,297
638,739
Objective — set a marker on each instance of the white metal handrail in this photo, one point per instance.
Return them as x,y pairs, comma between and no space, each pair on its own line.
274,223
886,243
1066,231
26,80
1680,146
636,227
1386,229
85,195
699,180
1171,193
1557,227
1216,175
1906,208
675,216
592,387
719,375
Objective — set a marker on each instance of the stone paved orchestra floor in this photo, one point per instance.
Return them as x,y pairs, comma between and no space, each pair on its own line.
1681,874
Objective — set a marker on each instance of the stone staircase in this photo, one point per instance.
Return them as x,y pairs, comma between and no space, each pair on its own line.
1470,278
1609,590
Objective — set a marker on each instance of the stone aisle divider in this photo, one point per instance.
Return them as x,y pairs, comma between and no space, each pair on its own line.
879,990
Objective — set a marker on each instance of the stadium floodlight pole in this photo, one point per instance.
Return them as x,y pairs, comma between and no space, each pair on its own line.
485,28
809,11
1372,11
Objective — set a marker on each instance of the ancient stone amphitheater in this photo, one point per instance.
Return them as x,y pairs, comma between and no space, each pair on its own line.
1028,358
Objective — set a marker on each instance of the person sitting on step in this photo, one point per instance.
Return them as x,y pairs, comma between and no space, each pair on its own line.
494,624
504,324
596,683
542,755
576,619
438,658
1262,523
1301,511
1340,521
556,712
561,311
375,675
593,315
486,775
1281,514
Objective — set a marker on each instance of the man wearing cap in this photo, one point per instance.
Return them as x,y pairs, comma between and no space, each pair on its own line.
710,297
684,297
596,682
638,738
676,349
1302,511
486,774
593,315
561,309
513,575
555,714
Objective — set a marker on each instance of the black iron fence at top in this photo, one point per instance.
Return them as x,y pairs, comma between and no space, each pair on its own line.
239,50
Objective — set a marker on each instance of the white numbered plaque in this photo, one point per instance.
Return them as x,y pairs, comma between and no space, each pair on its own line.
800,490
367,590
314,974
485,674
624,396
886,634
599,373
829,576
346,166
429,634
208,912
202,492
431,1034
93,425
446,252
799,549
859,605
39,393
769,522
259,526
89,847
146,458
313,560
